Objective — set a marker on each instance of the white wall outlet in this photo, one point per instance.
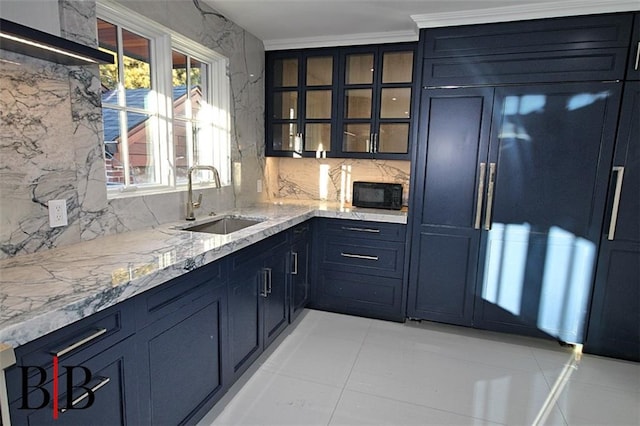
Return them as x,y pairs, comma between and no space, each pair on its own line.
57,213
259,185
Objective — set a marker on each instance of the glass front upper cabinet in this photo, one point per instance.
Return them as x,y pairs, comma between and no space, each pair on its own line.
301,103
375,114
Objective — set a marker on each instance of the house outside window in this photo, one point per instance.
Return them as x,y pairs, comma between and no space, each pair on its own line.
165,105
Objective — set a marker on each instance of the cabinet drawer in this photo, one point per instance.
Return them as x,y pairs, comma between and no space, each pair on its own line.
373,297
73,343
362,229
363,256
178,293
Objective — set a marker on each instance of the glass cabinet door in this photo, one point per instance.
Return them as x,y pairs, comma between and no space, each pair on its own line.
319,100
394,117
284,105
376,101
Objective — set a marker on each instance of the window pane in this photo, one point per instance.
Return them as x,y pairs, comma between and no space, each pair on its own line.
396,103
180,79
112,149
137,57
142,152
182,131
397,67
197,88
108,42
358,103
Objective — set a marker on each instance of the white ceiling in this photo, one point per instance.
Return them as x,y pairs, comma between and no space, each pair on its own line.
283,24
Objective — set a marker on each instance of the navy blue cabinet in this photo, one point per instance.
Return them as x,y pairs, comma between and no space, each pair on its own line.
376,92
614,326
448,203
562,49
341,102
361,268
258,299
182,351
511,183
300,268
301,102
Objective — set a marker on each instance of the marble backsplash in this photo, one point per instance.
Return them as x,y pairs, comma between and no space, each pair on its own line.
331,178
51,135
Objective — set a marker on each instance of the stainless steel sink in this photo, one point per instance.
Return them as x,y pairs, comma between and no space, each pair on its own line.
224,225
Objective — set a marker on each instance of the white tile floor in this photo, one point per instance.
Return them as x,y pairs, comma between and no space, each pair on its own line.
331,369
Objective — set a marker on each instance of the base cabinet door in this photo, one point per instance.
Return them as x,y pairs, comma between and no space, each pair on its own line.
300,270
614,326
274,295
184,361
107,395
245,337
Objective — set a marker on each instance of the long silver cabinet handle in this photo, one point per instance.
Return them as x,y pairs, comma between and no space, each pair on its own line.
359,256
295,263
637,57
349,228
492,178
103,381
263,291
79,343
375,143
483,172
269,280
616,202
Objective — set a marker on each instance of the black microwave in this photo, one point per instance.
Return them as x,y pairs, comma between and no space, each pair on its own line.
377,195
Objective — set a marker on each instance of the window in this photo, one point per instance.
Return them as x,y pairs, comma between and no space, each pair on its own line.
165,106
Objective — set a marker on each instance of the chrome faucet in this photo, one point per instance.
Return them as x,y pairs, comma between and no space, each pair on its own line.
191,206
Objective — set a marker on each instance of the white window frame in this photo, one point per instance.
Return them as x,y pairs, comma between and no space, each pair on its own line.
163,41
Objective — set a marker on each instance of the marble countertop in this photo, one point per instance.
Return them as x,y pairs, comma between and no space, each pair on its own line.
43,292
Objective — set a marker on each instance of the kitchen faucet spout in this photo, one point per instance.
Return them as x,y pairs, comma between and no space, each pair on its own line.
191,205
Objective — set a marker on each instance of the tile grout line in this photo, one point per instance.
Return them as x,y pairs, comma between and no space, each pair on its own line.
344,386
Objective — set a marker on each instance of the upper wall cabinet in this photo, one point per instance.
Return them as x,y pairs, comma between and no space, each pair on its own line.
375,108
633,67
340,102
561,49
301,102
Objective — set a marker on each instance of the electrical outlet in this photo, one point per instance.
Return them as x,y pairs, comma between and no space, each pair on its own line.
259,185
57,213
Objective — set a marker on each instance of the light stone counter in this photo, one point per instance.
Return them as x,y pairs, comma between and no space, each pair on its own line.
43,292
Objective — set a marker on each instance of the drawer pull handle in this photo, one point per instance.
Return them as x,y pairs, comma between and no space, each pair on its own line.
103,381
359,256
492,179
637,57
80,342
483,171
295,263
348,228
616,202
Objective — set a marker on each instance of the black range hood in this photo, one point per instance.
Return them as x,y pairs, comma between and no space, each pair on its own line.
38,44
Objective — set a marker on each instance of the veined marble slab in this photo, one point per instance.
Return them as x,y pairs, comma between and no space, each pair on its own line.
43,292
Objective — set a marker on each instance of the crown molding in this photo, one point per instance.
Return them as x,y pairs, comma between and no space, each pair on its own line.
341,40
524,12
